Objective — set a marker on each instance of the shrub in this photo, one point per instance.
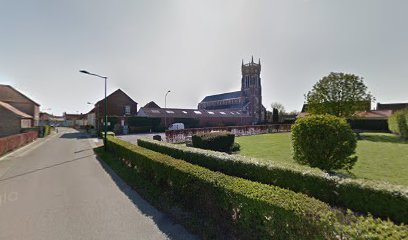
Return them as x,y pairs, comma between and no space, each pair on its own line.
378,198
398,123
216,141
324,141
248,210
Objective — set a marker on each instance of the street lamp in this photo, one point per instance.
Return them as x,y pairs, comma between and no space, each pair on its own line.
165,106
105,118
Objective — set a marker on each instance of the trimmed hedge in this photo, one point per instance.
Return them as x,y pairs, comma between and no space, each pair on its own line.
398,123
216,141
378,198
249,210
324,141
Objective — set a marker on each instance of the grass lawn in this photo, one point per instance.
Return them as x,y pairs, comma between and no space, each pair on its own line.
381,156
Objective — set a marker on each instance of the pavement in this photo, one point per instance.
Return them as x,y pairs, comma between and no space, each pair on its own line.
56,188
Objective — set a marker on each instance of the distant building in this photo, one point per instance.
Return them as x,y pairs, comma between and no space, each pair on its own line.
75,120
247,101
392,106
12,120
49,119
18,100
196,117
119,104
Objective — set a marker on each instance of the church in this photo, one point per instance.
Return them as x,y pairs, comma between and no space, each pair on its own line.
247,101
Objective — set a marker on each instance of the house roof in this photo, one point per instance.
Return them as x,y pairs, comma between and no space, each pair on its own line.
151,105
392,106
188,113
374,114
118,91
11,100
222,96
14,110
74,116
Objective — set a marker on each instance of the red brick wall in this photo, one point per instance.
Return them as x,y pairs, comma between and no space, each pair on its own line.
10,123
10,143
20,102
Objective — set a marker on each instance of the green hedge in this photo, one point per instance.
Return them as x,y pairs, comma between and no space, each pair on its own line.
43,131
380,125
249,210
398,123
216,141
380,199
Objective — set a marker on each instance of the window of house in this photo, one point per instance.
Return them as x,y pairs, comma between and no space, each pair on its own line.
169,111
197,112
223,113
184,112
155,111
232,113
127,110
212,113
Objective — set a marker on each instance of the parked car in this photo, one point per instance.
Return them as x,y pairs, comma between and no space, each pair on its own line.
176,126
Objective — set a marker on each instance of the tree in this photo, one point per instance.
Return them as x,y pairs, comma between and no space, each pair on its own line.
339,94
280,108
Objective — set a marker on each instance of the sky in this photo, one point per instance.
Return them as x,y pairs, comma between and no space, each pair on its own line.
195,48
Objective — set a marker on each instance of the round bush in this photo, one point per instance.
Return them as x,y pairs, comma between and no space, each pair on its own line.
324,141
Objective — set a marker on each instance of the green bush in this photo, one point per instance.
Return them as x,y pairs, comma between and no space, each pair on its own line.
380,125
324,141
102,134
398,123
248,210
216,141
378,198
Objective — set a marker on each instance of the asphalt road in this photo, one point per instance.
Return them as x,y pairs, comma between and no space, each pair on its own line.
56,188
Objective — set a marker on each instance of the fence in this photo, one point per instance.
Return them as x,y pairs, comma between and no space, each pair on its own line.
179,136
10,143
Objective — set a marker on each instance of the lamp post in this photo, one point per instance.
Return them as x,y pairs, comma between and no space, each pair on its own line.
105,118
165,113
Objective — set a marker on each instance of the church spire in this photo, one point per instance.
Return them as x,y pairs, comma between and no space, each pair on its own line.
242,62
252,61
259,61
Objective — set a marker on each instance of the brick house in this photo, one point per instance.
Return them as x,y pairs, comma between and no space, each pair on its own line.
18,100
119,104
12,120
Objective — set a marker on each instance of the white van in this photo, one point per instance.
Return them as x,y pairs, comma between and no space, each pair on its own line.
176,126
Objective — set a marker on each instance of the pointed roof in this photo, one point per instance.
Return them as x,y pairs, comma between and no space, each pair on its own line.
14,110
151,104
20,93
118,91
222,96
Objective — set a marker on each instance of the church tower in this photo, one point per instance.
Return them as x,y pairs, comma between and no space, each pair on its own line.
251,90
